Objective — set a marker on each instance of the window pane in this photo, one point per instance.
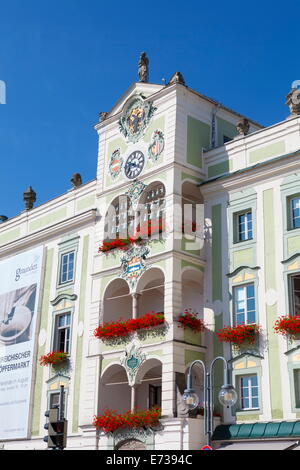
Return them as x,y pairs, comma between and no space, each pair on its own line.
245,226
297,387
254,402
295,294
296,212
250,290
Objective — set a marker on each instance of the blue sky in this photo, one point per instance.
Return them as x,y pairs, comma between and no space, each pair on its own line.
65,61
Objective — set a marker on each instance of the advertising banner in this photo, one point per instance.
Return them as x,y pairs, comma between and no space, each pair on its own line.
19,291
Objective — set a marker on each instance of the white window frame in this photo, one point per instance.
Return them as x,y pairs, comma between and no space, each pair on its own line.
294,198
57,330
243,286
247,230
250,395
62,255
292,294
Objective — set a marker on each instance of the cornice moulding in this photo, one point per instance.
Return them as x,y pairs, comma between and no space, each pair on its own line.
52,231
250,176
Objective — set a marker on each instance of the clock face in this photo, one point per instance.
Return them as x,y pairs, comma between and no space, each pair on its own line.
134,164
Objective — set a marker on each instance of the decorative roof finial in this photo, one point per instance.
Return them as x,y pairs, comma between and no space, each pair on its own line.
29,197
143,68
177,77
102,116
76,180
293,101
242,127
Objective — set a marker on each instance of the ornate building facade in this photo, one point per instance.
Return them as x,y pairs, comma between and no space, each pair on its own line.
165,152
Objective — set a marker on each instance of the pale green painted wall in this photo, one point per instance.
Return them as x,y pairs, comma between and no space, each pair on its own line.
217,252
225,128
293,244
185,264
158,123
219,168
48,219
198,137
243,258
81,315
272,311
185,176
10,236
278,148
41,350
217,293
86,202
190,356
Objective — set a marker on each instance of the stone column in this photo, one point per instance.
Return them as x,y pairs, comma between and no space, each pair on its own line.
133,396
135,305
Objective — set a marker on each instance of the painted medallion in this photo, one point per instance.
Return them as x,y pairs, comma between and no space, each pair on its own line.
115,164
156,146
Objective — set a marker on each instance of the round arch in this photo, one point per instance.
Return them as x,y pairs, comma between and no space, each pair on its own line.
115,393
192,290
117,301
149,384
152,291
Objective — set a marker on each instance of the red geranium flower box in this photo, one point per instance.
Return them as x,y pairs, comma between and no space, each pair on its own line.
110,420
124,328
239,334
52,358
189,319
142,232
288,325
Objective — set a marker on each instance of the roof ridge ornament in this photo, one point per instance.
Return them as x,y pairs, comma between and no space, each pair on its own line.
293,101
242,127
177,77
29,198
143,68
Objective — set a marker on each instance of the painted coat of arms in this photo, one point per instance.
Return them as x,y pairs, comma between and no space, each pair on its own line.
156,146
133,263
115,164
136,118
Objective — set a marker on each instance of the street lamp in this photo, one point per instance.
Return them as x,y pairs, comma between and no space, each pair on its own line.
227,395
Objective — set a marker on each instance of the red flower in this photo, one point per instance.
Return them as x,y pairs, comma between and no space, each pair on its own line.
124,328
53,358
189,319
239,333
110,420
287,325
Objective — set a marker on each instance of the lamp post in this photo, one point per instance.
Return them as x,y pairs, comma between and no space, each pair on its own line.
227,394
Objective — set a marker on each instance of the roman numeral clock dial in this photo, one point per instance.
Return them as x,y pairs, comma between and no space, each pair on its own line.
134,164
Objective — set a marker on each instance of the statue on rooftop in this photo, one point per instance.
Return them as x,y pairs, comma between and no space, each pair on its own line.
143,68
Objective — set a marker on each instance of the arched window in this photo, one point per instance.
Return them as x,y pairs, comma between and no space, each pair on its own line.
119,219
152,217
191,197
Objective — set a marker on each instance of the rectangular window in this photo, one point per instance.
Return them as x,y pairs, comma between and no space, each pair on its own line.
244,226
154,396
297,387
295,212
62,333
249,392
295,294
67,267
244,304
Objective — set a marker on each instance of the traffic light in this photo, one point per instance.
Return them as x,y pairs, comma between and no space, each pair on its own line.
57,430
